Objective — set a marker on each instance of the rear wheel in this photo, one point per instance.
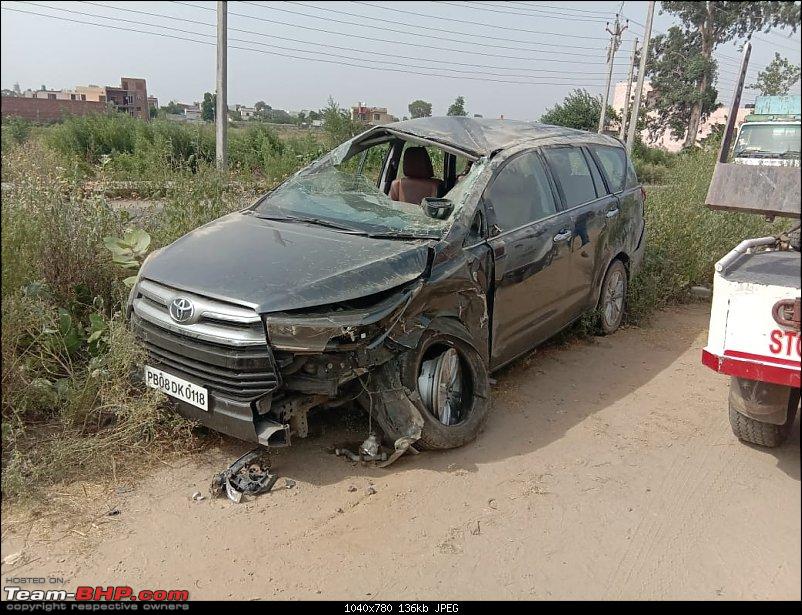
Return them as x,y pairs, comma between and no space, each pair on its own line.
612,297
758,432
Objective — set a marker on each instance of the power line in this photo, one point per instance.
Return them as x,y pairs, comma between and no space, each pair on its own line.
284,55
325,45
541,13
473,23
416,26
416,44
540,5
121,19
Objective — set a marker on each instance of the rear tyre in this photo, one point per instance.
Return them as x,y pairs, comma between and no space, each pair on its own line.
764,434
612,298
453,383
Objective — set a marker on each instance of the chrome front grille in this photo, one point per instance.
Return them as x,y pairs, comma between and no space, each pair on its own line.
224,348
214,321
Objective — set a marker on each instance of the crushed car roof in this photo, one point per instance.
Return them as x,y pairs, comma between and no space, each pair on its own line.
482,136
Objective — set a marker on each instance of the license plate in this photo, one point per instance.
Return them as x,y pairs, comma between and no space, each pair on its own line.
177,387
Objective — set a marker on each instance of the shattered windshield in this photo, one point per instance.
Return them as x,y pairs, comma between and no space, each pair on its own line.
764,140
344,195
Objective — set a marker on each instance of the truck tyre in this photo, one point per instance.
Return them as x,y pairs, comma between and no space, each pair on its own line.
793,239
765,434
612,298
453,383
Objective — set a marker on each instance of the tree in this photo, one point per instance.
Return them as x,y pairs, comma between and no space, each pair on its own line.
457,107
420,108
208,107
777,78
173,107
580,110
337,123
706,25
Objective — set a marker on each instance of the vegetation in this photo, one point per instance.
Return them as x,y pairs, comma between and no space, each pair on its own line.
580,110
457,107
420,108
72,404
777,78
681,65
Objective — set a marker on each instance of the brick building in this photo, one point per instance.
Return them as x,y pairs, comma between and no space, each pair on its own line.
48,109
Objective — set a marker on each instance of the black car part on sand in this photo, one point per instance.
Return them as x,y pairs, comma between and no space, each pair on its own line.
247,476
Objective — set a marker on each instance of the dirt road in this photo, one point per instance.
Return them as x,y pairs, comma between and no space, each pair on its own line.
608,470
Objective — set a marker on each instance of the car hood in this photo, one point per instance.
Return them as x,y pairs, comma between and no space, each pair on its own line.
276,266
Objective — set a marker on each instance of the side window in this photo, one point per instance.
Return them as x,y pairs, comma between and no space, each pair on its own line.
571,170
614,161
521,193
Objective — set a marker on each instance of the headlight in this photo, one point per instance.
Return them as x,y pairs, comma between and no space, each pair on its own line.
339,326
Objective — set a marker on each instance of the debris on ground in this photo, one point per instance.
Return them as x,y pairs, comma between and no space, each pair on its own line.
370,447
370,490
247,476
113,512
289,483
344,452
351,488
198,496
10,560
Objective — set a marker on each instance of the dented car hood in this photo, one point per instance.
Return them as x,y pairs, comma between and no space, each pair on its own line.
275,266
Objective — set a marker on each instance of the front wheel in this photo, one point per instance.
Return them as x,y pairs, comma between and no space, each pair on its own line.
453,384
611,298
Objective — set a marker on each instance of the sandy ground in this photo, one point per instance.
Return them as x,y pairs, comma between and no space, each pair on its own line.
608,470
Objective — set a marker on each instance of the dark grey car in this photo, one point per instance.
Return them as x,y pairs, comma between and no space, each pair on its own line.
327,290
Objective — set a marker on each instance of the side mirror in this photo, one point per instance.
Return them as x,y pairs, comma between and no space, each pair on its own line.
437,208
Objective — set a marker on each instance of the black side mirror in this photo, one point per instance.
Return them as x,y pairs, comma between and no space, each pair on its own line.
437,208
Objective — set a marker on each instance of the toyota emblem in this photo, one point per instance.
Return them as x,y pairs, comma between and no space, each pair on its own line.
181,309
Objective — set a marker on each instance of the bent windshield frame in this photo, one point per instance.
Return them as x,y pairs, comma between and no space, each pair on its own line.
342,190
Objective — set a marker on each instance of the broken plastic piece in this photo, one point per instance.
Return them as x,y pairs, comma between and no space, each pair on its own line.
249,475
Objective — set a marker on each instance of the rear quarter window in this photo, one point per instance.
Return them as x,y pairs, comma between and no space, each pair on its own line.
616,166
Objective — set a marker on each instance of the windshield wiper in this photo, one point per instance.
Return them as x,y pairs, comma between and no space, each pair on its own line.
315,221
401,235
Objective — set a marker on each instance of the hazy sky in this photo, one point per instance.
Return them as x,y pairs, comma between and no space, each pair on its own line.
469,49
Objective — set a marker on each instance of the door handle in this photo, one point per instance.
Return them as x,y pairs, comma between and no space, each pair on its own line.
612,213
563,235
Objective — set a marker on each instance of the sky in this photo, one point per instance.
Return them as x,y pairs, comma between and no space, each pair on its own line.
514,59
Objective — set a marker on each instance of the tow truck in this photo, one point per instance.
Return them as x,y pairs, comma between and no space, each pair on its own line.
754,335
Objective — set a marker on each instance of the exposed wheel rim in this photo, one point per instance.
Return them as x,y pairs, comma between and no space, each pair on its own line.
613,304
441,384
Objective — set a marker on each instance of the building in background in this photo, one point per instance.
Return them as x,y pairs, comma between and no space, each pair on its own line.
372,116
130,97
665,140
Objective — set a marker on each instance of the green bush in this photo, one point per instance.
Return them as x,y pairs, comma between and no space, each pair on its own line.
684,239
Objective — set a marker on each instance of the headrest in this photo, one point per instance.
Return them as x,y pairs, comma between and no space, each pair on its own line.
417,163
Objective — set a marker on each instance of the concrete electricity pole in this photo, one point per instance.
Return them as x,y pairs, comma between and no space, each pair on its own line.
625,112
644,54
615,41
221,107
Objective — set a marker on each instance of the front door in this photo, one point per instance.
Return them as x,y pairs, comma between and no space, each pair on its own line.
531,254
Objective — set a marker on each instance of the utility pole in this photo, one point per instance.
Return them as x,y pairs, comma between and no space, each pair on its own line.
221,106
644,54
625,112
615,41
734,104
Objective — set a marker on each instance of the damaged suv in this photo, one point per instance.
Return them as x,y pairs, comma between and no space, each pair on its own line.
397,271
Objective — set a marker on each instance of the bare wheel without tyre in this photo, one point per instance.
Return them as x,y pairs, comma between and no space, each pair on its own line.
612,297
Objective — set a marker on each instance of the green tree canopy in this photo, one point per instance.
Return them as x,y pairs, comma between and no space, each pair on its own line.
777,78
208,106
337,123
457,107
420,108
684,55
580,110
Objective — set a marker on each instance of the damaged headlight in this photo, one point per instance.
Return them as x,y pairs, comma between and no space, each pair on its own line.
339,326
